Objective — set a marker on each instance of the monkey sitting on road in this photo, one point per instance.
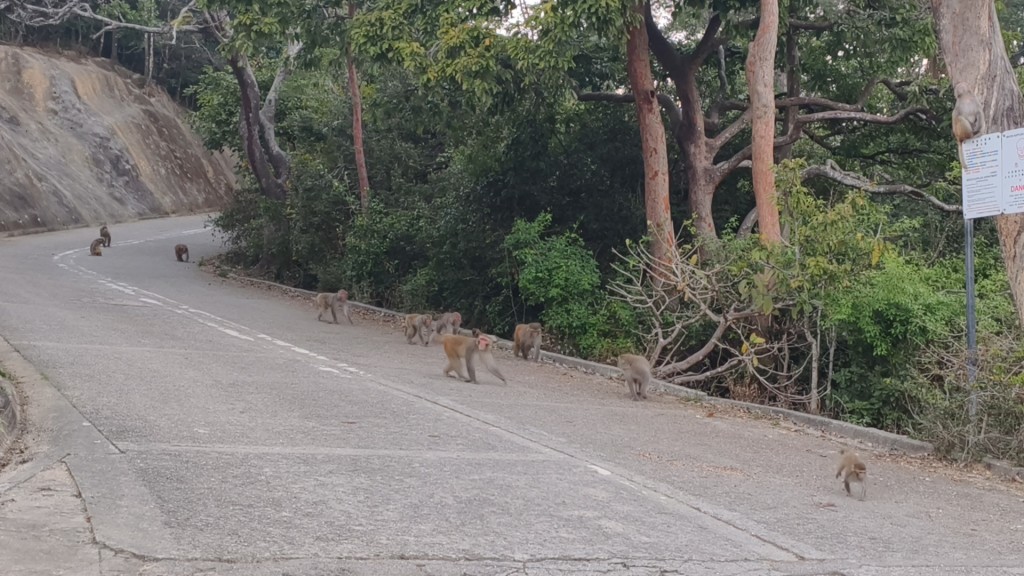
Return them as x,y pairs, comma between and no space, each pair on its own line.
637,372
105,234
852,469
415,325
179,251
462,350
328,300
95,247
527,337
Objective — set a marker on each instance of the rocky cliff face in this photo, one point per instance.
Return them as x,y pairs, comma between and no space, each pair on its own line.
83,143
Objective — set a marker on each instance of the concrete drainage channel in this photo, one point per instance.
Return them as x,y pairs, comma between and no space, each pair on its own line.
878,438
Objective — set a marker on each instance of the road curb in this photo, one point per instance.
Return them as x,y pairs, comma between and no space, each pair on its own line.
10,417
1004,469
874,436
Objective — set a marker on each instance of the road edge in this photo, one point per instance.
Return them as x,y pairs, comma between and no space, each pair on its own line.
874,436
11,421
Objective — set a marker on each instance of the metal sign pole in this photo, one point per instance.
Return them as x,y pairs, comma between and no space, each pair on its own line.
972,321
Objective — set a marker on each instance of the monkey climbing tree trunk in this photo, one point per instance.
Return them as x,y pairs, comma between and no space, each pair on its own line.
357,122
972,47
760,69
652,142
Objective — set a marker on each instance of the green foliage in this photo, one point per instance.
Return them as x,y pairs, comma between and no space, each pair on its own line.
560,274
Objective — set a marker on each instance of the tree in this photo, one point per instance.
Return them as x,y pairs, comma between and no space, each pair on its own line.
652,140
760,76
975,54
357,118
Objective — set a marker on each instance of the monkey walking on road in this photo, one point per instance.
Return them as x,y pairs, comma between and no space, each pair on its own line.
95,249
527,337
852,469
463,350
105,234
637,372
448,322
329,300
180,251
416,325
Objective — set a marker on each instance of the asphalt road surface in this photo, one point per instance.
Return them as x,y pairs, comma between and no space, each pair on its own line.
188,424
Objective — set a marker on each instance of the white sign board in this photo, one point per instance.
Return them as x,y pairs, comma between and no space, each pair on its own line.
992,179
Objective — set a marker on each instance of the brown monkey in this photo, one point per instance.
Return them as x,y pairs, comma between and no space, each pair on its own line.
105,234
967,117
179,251
94,248
463,349
449,321
329,300
852,468
415,325
637,372
527,337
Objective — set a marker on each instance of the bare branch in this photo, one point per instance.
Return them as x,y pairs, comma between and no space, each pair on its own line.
708,42
730,132
669,105
36,15
833,172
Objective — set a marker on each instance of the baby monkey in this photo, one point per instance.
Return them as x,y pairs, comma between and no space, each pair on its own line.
329,300
181,251
852,469
95,249
637,372
416,325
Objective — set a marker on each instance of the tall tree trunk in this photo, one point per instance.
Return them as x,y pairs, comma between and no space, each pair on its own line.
760,76
652,141
357,122
149,58
974,53
249,128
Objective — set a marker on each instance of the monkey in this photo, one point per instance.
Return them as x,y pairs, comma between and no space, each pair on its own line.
527,337
329,300
415,324
637,372
105,234
462,350
94,248
179,251
967,117
448,321
852,468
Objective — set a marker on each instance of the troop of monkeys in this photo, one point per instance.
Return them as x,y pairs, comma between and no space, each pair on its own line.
95,249
461,352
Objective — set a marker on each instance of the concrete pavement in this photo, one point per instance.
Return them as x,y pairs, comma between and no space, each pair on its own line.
183,424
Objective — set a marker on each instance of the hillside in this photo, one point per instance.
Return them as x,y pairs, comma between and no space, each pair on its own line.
83,143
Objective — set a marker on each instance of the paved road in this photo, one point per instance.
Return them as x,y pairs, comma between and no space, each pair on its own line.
190,425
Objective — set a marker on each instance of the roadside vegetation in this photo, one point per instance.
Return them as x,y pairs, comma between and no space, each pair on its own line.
489,157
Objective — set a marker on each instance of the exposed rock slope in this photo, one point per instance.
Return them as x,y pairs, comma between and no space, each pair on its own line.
82,143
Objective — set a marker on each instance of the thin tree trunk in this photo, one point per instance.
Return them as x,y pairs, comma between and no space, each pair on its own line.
973,50
760,75
113,47
149,58
652,141
357,122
